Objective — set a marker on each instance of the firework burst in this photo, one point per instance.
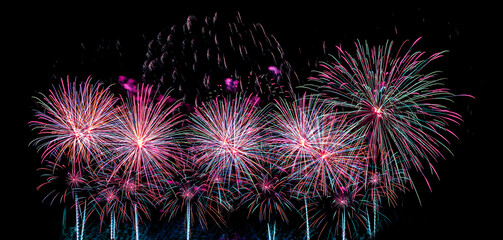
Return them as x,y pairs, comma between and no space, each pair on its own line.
59,181
392,100
226,137
117,195
196,195
122,197
376,118
340,210
315,145
380,187
269,195
145,138
75,122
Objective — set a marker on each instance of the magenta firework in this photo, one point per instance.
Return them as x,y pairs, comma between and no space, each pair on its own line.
340,211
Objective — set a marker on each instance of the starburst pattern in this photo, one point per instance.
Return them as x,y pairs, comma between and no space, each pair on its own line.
226,137
76,122
269,195
315,145
393,100
145,139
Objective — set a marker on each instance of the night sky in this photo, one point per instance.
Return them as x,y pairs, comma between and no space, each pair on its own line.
43,46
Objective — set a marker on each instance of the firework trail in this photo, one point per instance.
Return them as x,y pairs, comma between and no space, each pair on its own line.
227,140
393,101
214,56
145,139
75,121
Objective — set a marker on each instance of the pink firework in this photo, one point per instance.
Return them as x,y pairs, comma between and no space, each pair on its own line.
317,147
116,195
340,211
145,137
393,100
226,137
75,122
195,195
59,181
381,188
314,145
269,195
122,197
